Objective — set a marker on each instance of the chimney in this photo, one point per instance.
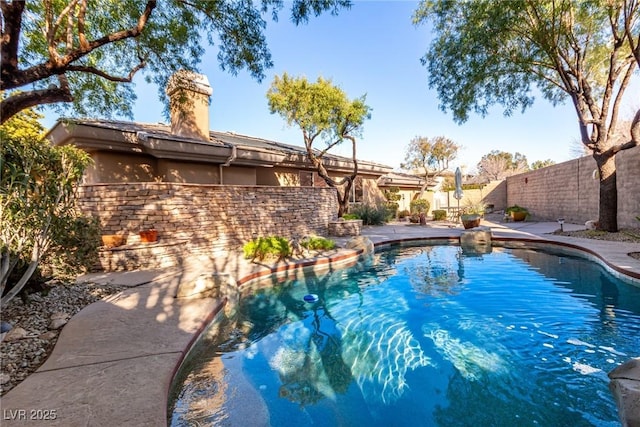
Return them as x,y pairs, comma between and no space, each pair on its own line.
189,94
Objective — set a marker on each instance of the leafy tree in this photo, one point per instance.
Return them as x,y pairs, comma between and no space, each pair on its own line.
500,164
323,112
81,52
429,156
539,164
37,198
486,52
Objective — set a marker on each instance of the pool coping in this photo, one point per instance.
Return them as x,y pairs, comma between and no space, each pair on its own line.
108,370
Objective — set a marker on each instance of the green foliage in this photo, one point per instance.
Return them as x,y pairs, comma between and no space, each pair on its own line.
404,213
372,214
349,216
317,243
473,207
321,110
487,52
516,208
419,206
539,164
37,201
439,214
392,209
75,249
263,247
391,194
87,36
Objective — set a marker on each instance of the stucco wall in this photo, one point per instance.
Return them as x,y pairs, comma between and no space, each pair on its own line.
212,218
568,190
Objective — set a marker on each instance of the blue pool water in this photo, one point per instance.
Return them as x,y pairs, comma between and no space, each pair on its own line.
420,336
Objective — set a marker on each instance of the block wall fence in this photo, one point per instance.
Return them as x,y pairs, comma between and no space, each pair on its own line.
210,218
569,190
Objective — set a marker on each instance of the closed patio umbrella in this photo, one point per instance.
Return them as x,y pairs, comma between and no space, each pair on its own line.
457,194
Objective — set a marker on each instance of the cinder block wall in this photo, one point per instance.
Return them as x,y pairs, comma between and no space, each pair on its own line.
212,218
568,190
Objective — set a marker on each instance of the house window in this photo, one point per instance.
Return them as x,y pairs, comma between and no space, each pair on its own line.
306,179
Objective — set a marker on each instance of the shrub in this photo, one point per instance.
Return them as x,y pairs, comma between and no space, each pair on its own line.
317,243
419,206
263,247
371,214
350,216
404,213
37,202
439,215
516,208
392,208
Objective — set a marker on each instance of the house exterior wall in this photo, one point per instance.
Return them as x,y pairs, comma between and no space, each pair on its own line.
236,175
568,190
212,218
283,177
191,172
118,167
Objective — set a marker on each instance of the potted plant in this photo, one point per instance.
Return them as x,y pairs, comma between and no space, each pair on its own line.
471,215
149,235
517,213
113,240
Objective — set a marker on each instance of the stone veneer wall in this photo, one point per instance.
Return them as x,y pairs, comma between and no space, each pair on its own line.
568,190
212,218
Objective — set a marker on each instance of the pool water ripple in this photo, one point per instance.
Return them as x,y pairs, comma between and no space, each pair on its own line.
421,336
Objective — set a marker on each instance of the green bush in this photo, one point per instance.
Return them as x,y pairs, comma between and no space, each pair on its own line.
350,216
419,206
263,247
392,209
317,243
404,213
439,215
371,214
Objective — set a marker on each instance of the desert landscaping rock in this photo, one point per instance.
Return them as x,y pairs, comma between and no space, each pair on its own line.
27,345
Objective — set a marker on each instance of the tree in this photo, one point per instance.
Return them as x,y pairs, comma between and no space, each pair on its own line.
431,157
81,52
37,198
539,164
500,164
323,112
487,53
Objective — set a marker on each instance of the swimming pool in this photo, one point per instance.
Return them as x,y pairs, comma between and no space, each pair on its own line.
420,336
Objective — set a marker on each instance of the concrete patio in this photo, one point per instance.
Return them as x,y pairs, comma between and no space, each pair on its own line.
114,361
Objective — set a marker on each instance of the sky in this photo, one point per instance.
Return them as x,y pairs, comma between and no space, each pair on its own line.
373,49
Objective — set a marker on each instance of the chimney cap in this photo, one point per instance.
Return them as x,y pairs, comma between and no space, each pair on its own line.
190,80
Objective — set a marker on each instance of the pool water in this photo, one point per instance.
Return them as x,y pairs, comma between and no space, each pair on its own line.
420,336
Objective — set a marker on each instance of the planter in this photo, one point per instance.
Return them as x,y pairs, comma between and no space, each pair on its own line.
470,221
113,240
518,216
149,236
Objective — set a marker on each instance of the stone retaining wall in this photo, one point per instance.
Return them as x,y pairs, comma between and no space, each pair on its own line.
568,190
211,218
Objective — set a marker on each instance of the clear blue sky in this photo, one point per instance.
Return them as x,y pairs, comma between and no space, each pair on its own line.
371,49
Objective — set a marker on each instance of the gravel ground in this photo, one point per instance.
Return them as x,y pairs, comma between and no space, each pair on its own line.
627,235
37,321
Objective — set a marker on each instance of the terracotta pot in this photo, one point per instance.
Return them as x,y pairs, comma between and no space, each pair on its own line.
149,236
113,240
470,222
518,216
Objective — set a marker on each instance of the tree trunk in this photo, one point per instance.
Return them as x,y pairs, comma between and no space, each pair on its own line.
343,197
608,206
